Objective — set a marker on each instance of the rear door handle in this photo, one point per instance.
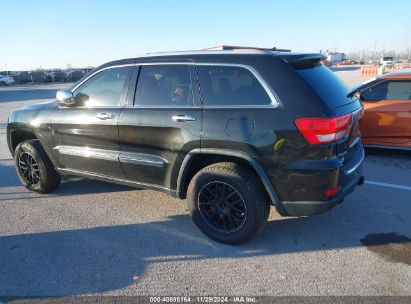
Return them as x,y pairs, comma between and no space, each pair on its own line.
182,118
105,116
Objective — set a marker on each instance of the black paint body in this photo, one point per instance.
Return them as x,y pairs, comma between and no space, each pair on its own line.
147,148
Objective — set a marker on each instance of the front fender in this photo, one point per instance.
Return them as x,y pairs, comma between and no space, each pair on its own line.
32,122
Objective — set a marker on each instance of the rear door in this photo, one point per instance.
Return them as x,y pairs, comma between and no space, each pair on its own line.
161,124
387,113
238,111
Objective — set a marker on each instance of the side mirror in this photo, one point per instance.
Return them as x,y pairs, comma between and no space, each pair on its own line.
65,98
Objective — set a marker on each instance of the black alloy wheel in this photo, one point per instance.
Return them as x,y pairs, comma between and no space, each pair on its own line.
227,202
29,168
34,168
222,207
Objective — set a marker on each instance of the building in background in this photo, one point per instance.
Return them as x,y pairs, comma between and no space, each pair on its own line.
335,57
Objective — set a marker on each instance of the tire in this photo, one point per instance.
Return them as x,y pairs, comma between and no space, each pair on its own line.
42,177
2,84
221,187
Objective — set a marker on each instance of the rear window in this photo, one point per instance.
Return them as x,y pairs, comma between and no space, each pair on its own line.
326,84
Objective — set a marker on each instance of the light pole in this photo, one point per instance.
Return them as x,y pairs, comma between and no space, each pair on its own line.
375,50
5,67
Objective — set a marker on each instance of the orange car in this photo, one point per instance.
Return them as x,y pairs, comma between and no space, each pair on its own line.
387,111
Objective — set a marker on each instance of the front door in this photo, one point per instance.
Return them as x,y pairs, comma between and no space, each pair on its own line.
85,134
387,114
161,125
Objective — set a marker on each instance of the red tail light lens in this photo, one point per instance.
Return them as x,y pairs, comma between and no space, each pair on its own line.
324,130
329,193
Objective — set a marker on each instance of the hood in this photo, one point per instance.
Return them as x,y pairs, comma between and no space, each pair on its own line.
41,106
33,114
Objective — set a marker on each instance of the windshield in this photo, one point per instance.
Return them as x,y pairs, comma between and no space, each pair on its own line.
388,58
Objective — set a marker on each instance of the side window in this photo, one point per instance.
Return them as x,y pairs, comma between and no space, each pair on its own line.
399,90
376,93
229,85
103,89
390,90
164,85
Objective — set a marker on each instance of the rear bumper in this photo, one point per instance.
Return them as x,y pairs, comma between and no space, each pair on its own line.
348,179
307,208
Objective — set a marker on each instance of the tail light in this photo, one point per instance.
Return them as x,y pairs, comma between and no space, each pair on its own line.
331,192
324,130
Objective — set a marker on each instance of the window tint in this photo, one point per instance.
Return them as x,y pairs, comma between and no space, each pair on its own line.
326,84
390,90
399,90
376,93
226,85
164,85
103,89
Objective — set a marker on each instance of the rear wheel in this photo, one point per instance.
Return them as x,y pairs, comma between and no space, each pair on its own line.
228,203
34,168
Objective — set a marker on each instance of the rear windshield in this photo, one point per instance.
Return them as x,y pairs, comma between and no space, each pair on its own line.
326,84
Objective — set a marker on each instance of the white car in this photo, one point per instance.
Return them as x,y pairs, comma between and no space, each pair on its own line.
387,60
6,80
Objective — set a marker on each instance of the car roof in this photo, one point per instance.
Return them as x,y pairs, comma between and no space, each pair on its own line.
218,55
397,75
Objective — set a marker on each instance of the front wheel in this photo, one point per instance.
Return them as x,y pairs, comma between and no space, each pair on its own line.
228,203
34,169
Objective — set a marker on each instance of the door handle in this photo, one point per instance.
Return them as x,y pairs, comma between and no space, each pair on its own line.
105,116
182,118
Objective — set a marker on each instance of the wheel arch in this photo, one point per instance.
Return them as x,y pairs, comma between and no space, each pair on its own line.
190,166
18,136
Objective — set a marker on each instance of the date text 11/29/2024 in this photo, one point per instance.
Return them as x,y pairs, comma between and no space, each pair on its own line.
203,299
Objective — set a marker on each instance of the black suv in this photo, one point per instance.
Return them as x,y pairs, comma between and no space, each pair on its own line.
232,131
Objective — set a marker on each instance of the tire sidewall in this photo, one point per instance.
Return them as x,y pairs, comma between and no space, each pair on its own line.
27,146
252,223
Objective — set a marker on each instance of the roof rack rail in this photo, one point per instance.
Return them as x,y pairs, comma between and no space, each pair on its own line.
236,47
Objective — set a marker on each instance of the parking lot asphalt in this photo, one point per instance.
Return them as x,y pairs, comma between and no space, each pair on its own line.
90,237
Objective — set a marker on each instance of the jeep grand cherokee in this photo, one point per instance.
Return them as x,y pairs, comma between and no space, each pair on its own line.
232,131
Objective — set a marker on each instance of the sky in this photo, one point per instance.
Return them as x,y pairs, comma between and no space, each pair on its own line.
53,34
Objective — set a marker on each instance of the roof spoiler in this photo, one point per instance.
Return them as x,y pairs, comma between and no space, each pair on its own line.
303,59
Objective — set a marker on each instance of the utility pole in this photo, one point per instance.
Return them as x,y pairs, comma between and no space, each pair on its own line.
375,50
5,67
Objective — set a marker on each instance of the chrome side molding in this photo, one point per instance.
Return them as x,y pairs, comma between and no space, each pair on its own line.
88,152
112,155
142,159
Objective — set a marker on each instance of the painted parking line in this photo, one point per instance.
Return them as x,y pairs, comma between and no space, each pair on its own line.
395,186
